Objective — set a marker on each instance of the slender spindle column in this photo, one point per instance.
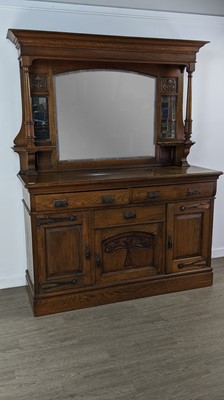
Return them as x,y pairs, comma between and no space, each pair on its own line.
28,119
188,120
30,164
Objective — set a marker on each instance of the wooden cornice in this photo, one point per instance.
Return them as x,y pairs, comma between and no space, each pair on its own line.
72,46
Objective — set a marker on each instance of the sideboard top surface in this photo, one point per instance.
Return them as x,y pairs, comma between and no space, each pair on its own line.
117,177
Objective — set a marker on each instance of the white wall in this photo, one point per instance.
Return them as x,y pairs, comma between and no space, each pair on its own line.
207,100
214,7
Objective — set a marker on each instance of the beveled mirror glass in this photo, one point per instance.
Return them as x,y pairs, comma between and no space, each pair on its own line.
105,114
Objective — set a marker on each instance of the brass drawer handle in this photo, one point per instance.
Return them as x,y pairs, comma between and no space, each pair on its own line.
108,199
129,214
192,192
60,203
153,195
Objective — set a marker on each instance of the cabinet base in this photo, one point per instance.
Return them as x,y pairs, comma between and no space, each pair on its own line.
95,297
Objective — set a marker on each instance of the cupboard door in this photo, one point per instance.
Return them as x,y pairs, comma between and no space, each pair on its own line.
63,251
129,252
188,235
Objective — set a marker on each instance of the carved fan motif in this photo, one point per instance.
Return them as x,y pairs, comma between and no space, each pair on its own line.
129,242
169,85
38,82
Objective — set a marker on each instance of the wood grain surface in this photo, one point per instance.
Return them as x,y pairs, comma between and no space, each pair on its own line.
168,347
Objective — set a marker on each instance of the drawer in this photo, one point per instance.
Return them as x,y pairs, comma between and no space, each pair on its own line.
172,192
129,215
82,199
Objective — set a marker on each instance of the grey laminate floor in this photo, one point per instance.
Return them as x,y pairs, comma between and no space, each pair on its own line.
168,347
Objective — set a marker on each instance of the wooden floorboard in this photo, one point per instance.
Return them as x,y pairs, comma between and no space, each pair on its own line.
168,347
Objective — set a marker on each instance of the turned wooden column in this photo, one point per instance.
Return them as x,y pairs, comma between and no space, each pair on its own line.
28,121
188,120
28,118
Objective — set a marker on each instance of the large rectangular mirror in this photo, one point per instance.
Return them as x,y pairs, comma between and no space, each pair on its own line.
103,114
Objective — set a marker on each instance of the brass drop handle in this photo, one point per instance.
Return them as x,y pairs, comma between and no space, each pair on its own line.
61,203
199,263
108,199
129,214
153,195
203,206
193,192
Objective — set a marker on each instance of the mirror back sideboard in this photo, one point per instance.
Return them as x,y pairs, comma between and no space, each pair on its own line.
110,214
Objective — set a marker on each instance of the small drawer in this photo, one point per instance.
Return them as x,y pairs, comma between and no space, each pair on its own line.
129,215
172,192
82,199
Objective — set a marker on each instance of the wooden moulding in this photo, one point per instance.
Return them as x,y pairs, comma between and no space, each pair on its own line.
123,292
69,46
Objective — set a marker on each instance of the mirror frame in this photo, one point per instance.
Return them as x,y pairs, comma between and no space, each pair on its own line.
104,114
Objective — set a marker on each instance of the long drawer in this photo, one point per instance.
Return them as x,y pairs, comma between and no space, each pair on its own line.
172,192
82,199
129,215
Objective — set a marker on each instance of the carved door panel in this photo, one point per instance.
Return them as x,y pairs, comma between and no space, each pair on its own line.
129,252
188,235
63,251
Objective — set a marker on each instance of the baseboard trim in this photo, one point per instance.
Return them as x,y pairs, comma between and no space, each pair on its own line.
16,281
217,253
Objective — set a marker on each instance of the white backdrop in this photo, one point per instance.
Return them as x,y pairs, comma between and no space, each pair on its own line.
207,100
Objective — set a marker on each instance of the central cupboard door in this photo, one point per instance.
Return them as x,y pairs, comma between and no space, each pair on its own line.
132,248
